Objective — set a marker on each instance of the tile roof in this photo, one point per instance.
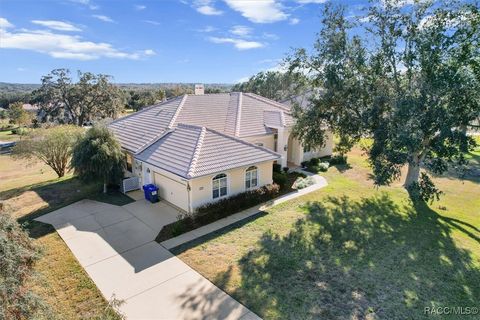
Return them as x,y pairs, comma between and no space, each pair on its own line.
192,151
138,129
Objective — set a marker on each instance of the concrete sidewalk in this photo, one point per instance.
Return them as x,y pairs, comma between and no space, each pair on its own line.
115,246
320,182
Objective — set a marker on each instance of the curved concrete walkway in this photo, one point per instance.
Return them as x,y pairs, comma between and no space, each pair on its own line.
115,246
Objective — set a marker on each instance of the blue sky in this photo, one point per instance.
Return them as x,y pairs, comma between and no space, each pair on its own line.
201,41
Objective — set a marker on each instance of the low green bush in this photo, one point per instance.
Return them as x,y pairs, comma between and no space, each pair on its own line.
280,179
285,169
277,168
20,131
301,183
314,161
217,210
323,166
304,164
338,159
227,206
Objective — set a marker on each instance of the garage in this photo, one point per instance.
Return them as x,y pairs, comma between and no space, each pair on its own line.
172,191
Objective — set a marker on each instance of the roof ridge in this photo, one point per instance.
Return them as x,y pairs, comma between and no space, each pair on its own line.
196,153
239,114
266,100
241,141
282,117
177,112
147,144
144,109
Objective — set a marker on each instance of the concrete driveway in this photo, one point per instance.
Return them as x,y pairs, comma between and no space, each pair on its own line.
115,246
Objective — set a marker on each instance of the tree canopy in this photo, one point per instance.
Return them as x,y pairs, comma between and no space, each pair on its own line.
274,85
53,146
18,115
412,84
93,97
98,156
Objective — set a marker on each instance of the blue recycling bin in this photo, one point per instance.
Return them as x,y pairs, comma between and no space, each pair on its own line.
151,192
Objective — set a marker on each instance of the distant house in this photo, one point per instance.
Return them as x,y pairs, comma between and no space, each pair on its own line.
204,147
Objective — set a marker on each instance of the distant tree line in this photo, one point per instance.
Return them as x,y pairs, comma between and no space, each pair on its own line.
274,85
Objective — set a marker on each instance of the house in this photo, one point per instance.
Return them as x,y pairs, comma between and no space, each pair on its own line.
203,147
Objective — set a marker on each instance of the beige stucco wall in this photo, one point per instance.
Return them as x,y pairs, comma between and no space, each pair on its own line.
267,140
201,188
176,189
327,150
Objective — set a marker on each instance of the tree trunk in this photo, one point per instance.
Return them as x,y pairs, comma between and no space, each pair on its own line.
413,172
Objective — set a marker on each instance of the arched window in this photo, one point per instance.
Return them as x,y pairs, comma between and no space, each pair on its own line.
251,177
219,186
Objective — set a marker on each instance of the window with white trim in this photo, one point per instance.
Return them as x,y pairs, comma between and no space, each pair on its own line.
219,186
251,177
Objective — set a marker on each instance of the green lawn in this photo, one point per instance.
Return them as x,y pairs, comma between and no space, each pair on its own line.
7,135
351,251
28,191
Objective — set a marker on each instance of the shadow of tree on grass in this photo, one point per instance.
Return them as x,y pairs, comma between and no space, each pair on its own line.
364,259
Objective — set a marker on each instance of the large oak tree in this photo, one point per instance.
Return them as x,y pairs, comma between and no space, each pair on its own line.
92,97
411,83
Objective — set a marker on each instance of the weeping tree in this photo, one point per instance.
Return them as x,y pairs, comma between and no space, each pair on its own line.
52,146
99,157
413,91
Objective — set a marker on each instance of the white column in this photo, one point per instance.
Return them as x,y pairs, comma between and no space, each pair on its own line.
282,144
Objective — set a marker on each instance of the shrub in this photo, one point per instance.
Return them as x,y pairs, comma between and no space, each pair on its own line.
285,169
280,179
338,159
301,183
304,164
18,256
20,131
323,167
314,161
277,168
225,207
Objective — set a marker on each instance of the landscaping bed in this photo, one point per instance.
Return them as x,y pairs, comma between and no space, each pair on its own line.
228,206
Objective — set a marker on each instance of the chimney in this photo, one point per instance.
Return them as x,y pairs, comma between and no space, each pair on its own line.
199,89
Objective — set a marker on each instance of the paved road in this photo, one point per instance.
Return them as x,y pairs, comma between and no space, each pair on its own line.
115,246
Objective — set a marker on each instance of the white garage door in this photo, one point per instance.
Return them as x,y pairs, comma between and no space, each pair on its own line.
172,191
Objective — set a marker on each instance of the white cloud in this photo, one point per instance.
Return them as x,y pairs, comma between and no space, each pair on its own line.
242,31
209,11
207,29
264,11
149,52
102,17
311,1
140,7
294,21
155,23
240,44
86,3
56,25
271,36
21,69
4,24
64,46
206,7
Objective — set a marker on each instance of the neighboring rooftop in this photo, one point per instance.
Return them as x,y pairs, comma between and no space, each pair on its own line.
192,151
235,114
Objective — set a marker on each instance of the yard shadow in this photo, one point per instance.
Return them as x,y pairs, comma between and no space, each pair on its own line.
358,259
